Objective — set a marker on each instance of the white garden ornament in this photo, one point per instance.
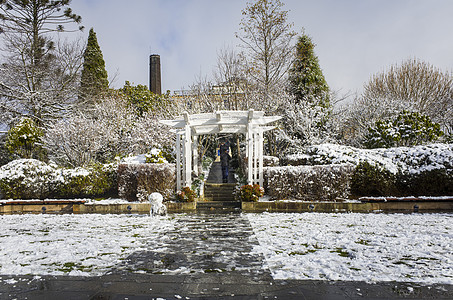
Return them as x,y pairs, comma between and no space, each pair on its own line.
157,207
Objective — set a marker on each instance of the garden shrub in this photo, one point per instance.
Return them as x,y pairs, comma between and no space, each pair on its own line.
407,129
137,181
251,193
98,180
323,182
33,179
26,179
186,195
156,156
372,180
24,140
436,182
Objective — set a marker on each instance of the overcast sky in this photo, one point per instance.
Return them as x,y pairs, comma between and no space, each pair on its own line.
355,38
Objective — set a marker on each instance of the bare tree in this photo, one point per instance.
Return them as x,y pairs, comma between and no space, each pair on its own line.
417,84
267,37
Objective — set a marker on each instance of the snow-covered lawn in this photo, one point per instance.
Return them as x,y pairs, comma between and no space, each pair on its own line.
88,244
356,247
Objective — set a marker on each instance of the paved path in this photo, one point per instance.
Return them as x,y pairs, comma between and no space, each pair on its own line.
215,174
205,256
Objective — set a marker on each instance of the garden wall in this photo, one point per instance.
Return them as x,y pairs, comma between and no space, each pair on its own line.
314,183
137,181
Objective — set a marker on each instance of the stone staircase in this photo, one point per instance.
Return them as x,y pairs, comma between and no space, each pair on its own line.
219,197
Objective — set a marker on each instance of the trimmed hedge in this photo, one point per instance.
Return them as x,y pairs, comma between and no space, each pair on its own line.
315,183
371,180
33,179
137,181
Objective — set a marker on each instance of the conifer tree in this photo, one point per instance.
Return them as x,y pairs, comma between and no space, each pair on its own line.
94,80
307,83
35,82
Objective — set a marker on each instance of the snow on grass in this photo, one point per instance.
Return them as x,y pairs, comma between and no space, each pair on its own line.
310,246
357,247
88,245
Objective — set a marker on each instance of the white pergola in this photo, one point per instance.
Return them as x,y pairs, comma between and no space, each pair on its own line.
188,127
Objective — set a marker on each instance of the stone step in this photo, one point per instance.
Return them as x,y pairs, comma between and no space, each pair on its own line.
219,191
215,206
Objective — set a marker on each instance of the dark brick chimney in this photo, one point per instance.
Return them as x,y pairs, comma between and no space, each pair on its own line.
154,74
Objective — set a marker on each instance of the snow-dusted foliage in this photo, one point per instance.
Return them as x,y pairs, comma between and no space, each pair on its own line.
411,160
407,129
26,178
24,139
305,123
402,171
33,179
113,128
137,181
362,114
326,182
418,84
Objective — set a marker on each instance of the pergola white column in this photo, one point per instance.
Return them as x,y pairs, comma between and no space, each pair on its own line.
188,127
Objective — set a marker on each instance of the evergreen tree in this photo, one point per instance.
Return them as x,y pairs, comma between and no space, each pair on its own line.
94,80
307,83
33,81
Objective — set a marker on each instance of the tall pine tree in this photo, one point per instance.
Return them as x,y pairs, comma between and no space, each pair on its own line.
307,83
94,82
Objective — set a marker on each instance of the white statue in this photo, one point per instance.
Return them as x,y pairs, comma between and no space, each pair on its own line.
157,207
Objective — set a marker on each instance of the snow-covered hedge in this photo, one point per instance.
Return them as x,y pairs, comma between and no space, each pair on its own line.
34,179
410,160
324,182
401,171
137,181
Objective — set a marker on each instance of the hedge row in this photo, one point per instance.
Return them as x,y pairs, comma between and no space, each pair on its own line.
372,180
33,179
333,182
137,181
324,182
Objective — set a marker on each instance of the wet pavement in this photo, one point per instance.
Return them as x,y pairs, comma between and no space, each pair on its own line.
205,256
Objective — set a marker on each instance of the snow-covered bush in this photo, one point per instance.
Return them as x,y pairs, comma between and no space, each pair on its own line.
371,180
33,179
137,181
418,170
26,179
98,180
326,182
24,139
156,156
113,128
407,129
401,159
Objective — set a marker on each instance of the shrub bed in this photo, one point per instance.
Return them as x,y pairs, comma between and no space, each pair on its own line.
401,171
324,182
33,179
137,181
